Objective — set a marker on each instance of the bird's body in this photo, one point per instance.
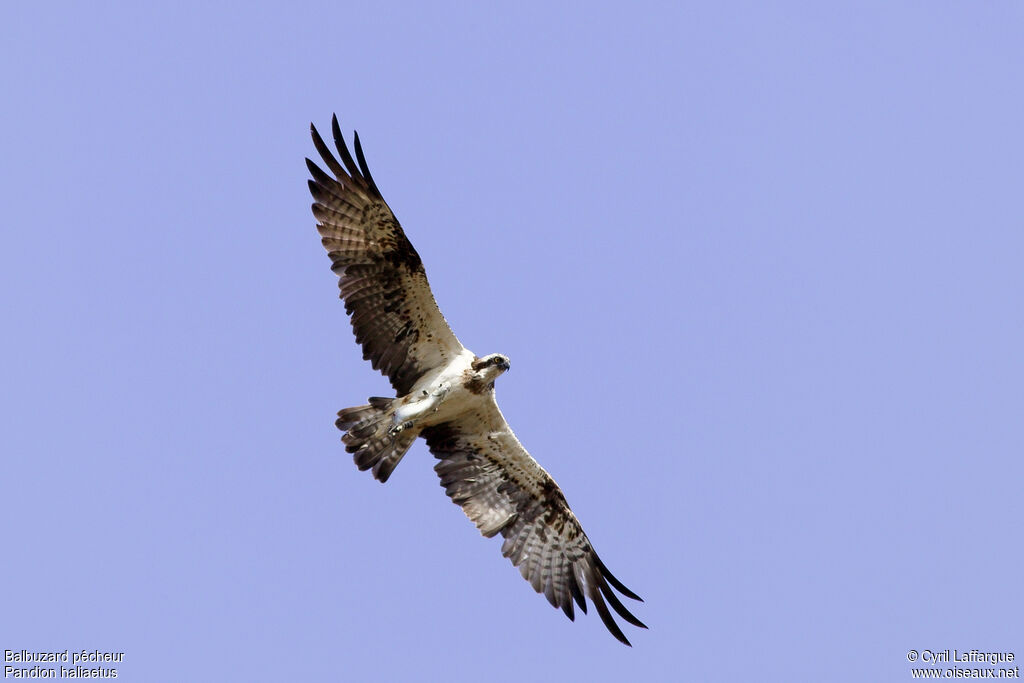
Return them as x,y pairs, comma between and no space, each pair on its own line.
445,393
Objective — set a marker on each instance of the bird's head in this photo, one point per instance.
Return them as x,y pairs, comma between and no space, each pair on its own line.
490,367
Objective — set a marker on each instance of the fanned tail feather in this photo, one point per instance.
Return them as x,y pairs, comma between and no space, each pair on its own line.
370,439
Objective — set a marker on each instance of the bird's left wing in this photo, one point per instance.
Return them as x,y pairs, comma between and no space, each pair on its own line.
381,277
486,471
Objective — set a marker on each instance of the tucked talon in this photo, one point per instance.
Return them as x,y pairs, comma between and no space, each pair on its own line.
397,429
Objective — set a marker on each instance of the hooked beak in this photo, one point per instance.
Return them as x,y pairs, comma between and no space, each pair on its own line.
505,365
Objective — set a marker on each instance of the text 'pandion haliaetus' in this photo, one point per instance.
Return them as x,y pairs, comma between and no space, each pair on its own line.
445,393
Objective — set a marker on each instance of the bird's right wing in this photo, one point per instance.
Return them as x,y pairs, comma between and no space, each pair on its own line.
382,280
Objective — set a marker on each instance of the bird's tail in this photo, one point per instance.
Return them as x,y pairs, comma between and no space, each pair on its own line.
373,438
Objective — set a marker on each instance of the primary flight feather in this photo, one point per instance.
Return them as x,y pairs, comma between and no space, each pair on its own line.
445,393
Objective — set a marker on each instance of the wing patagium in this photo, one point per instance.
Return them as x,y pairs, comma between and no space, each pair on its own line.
382,280
501,488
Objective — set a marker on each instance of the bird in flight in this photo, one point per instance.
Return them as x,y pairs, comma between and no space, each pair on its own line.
445,394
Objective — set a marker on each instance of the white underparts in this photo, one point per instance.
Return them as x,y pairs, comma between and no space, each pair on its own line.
439,396
422,403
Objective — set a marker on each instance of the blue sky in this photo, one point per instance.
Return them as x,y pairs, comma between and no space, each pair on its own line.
758,267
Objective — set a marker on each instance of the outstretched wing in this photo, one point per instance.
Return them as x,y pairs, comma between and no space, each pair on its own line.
485,469
382,281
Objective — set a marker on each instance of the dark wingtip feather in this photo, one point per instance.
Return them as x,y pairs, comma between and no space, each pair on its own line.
339,142
593,581
322,179
363,166
606,617
325,153
619,608
314,170
615,582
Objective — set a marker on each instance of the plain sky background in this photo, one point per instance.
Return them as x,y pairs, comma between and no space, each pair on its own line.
758,267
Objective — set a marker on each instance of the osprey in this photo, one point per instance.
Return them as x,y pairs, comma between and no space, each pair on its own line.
445,393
